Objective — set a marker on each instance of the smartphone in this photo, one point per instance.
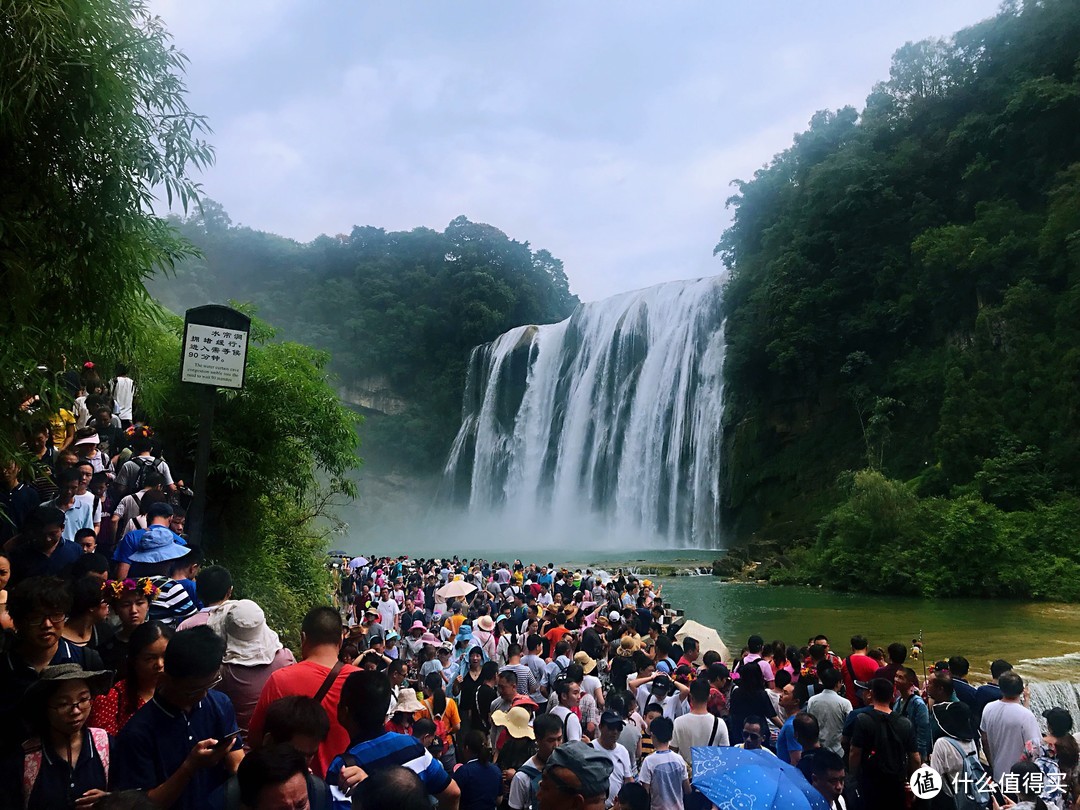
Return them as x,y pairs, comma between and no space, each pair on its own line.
228,739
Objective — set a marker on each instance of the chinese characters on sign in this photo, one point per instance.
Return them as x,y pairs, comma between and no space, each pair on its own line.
214,356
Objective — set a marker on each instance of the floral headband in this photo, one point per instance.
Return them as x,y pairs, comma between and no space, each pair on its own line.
114,589
142,431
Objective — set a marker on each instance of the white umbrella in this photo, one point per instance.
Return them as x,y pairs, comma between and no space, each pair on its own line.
455,589
356,562
706,637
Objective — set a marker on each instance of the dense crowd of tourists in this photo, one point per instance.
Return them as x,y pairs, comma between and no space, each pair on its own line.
131,675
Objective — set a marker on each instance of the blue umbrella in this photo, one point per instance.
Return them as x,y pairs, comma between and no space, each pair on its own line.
737,779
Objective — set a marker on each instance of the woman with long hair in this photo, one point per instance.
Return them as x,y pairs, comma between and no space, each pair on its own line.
443,712
479,779
142,669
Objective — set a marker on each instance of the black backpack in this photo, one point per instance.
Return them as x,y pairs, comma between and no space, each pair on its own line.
146,465
886,759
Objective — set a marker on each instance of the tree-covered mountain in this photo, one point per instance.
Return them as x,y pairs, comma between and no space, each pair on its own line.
905,297
398,311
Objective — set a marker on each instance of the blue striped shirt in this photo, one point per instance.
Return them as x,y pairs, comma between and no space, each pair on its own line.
386,751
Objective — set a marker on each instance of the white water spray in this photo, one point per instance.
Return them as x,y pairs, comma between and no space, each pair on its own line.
612,416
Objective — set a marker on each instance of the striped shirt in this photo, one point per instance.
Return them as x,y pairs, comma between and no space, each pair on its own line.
173,603
386,751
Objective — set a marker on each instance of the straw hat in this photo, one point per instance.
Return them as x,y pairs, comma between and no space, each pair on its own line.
515,721
486,623
407,701
627,646
588,664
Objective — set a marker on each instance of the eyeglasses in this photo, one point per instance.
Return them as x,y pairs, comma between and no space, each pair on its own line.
80,705
39,619
202,689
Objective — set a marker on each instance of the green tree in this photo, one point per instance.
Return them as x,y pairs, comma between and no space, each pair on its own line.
93,123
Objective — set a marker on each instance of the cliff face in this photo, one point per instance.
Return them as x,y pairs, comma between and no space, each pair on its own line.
373,394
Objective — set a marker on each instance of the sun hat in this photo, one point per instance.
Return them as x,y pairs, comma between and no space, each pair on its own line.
954,719
429,638
417,625
627,647
515,721
591,766
371,612
485,623
158,544
88,440
249,641
588,664
464,632
98,681
407,701
446,647
392,634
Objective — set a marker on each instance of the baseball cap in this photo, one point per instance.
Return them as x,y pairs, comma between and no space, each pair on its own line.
660,682
611,719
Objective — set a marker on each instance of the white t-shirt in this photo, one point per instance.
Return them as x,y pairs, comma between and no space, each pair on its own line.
94,504
521,787
1008,727
123,394
664,772
621,771
696,730
387,611
571,724
946,760
589,685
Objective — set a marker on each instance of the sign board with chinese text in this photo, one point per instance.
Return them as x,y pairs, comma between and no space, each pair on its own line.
215,346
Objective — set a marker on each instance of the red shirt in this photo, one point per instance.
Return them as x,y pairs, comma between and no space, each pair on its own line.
863,668
554,636
111,711
305,678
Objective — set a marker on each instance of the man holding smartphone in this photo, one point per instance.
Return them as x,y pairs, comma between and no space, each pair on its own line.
183,743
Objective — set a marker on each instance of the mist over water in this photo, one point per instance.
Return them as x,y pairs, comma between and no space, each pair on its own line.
601,429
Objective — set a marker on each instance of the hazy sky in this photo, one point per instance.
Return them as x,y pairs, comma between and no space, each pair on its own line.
606,132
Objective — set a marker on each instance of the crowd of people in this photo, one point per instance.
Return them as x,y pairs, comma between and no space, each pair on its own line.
465,683
132,676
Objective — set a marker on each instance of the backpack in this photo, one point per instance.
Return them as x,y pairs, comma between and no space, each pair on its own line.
534,783
886,759
972,774
145,466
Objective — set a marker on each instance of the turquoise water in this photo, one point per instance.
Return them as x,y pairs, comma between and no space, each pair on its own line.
1041,639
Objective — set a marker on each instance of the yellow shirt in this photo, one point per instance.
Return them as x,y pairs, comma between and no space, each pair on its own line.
60,423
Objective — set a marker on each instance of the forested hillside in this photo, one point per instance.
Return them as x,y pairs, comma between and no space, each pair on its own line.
398,311
905,298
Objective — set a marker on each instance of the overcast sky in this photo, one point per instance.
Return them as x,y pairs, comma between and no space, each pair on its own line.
606,132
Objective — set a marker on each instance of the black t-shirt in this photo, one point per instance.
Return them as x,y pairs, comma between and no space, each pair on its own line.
743,704
877,790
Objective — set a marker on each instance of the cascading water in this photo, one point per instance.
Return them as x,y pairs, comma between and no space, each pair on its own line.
612,414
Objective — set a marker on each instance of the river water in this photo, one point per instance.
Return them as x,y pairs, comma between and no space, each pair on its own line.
1040,639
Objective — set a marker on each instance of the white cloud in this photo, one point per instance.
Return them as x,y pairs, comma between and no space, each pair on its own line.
607,133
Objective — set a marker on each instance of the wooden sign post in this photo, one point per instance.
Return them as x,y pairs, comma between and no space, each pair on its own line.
214,355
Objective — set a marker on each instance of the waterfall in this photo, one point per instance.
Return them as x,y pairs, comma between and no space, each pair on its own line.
611,416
